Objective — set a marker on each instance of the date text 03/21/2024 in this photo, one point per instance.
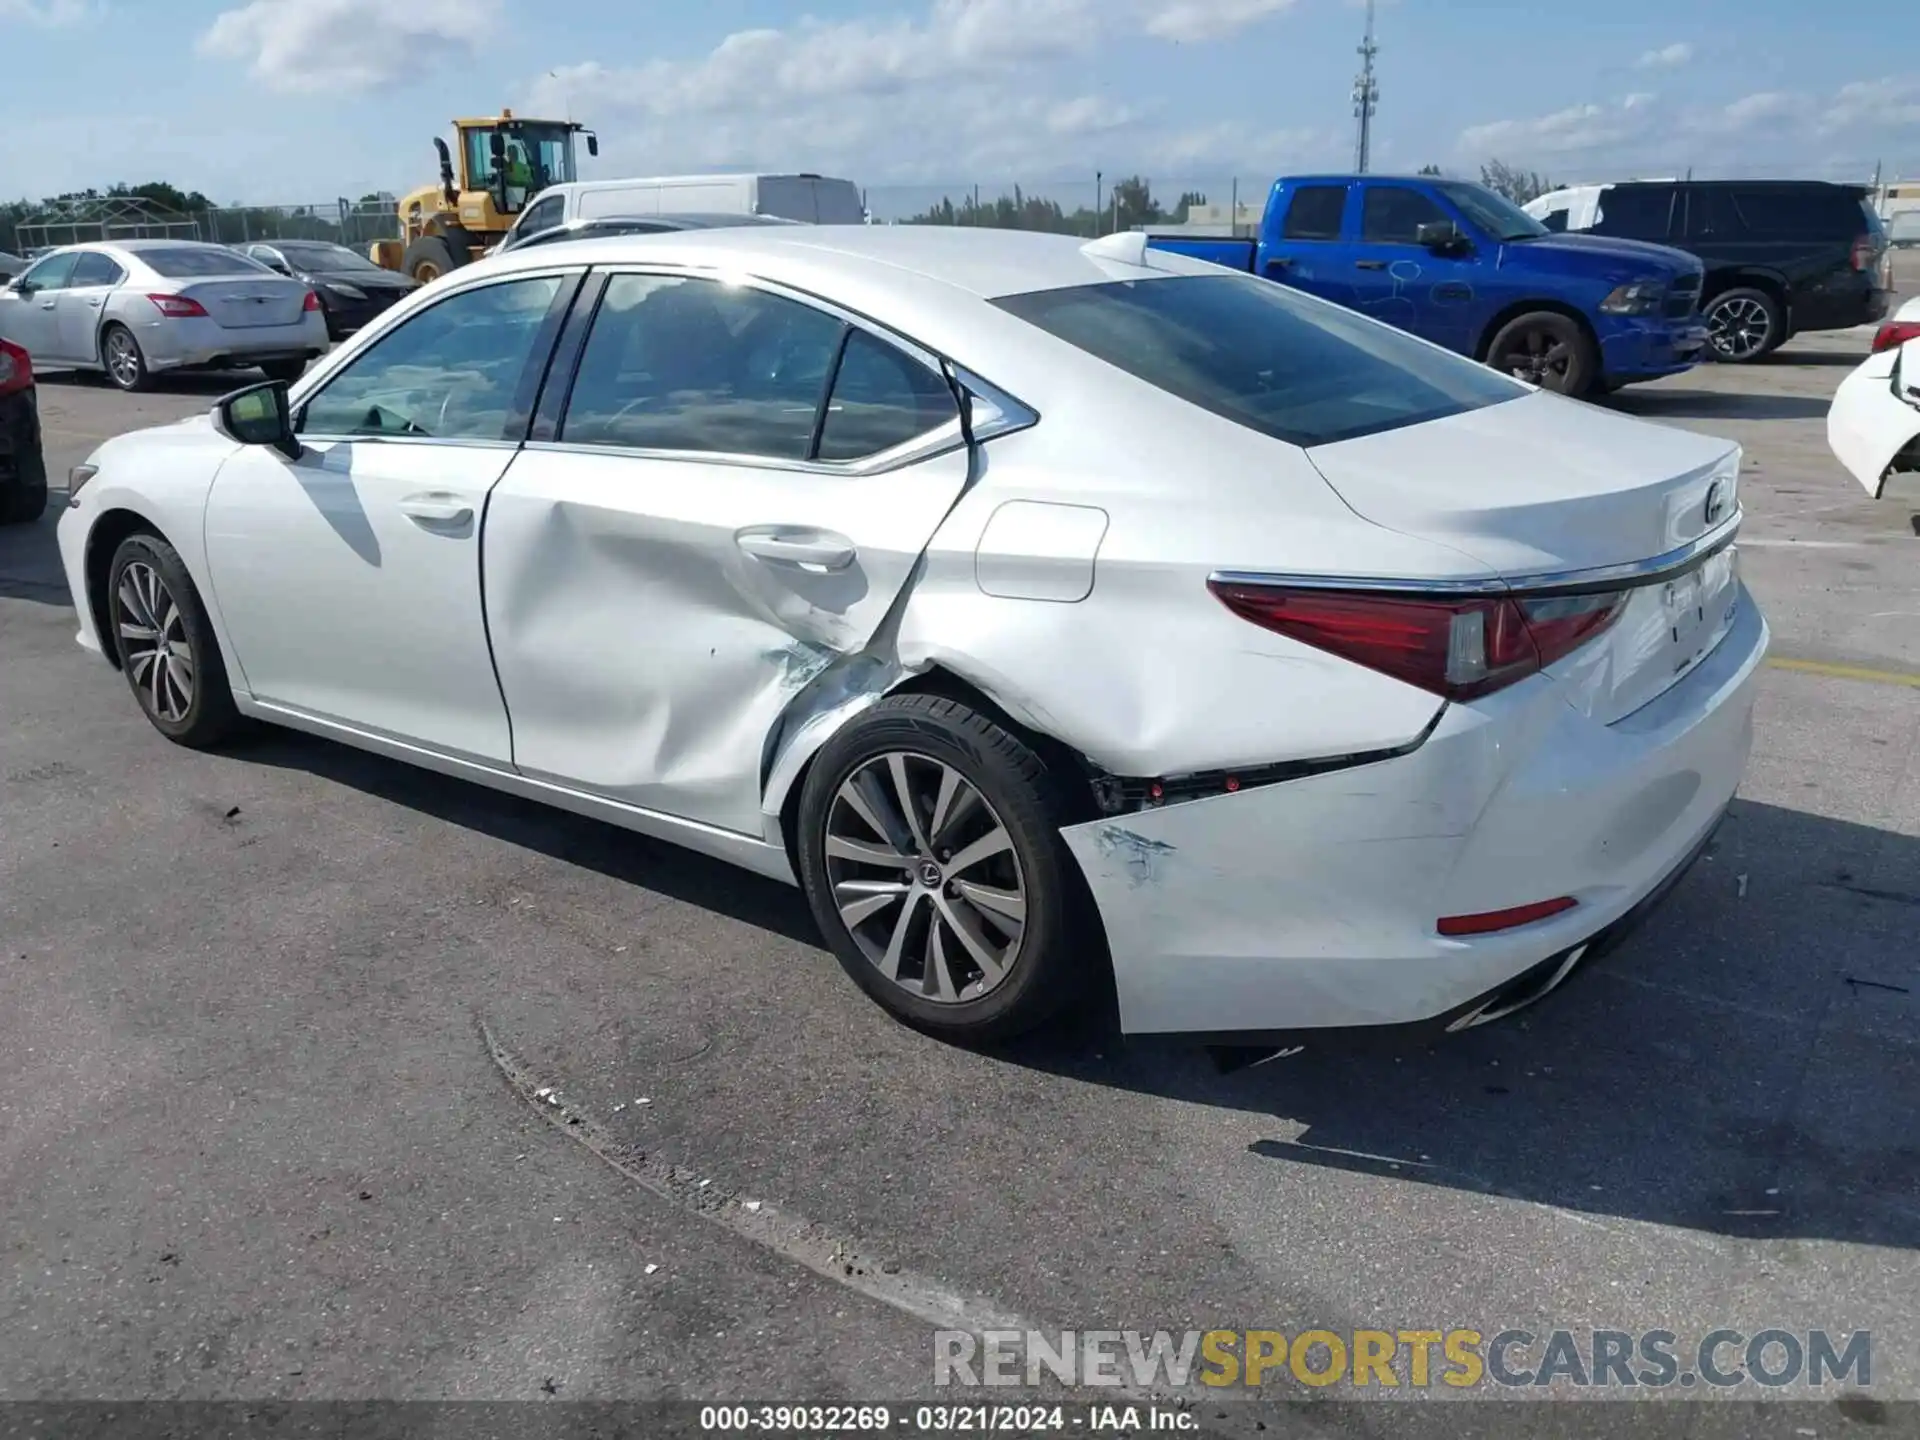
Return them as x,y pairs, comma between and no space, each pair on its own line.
944,1419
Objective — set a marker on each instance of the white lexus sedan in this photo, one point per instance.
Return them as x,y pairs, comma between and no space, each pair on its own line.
1041,608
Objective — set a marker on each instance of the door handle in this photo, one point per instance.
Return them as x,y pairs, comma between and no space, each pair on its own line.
798,545
1369,264
437,509
96,302
48,304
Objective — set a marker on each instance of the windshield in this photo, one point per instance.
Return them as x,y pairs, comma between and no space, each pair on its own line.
1492,212
1265,356
548,150
184,262
325,257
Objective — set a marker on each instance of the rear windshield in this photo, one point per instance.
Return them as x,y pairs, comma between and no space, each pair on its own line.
182,263
1264,356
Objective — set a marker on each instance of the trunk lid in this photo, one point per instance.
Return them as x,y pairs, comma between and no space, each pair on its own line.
1541,485
247,302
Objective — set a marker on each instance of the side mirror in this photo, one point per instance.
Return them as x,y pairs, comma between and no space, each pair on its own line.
593,145
260,415
1443,237
20,285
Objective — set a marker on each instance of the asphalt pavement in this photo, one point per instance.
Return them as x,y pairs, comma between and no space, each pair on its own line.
274,1026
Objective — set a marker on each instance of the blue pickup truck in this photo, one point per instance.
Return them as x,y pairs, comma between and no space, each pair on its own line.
1459,265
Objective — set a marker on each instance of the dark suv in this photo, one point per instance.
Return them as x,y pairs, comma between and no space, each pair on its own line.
1782,256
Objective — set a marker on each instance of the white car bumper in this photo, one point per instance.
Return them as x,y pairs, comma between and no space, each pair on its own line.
170,344
1869,424
1314,903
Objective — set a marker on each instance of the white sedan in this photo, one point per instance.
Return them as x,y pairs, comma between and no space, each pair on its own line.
1038,607
1873,425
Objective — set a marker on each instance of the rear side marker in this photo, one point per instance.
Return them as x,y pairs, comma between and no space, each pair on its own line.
1488,922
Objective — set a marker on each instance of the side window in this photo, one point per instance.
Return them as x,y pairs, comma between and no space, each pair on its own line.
881,398
1710,212
544,216
698,365
1315,213
96,269
449,373
1393,214
1636,212
52,273
1556,220
1798,212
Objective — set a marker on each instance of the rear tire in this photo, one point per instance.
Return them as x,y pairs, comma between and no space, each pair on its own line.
166,645
123,361
910,904
1743,325
1547,349
428,258
285,371
23,503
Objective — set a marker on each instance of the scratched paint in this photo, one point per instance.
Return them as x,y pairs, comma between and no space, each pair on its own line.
799,663
1140,856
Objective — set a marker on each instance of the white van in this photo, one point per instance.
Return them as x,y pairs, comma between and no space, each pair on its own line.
815,199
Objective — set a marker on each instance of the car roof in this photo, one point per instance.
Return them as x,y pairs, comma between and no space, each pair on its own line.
983,262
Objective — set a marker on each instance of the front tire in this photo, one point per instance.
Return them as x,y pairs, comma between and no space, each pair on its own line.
123,360
1547,349
24,503
285,371
166,645
1743,325
930,852
428,258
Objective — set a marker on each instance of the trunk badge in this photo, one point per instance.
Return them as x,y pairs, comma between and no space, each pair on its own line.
1716,503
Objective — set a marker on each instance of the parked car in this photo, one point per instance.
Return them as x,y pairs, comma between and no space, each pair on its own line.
135,308
812,199
1465,268
1782,257
23,464
1873,425
11,265
352,289
1031,604
633,225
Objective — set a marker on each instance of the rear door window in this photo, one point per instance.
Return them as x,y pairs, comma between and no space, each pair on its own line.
93,268
1393,215
1315,213
1264,355
1635,212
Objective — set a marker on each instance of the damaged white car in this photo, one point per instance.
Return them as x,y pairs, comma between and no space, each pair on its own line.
1039,607
1873,425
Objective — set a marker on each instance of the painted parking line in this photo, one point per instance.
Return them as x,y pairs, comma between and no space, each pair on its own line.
1848,672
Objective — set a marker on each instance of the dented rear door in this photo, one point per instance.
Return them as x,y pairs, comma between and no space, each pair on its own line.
653,611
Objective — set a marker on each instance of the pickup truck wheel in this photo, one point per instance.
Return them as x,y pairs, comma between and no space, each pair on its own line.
1546,349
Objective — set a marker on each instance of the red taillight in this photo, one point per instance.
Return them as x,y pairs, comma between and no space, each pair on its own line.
16,369
1894,334
1458,649
1492,920
178,307
312,302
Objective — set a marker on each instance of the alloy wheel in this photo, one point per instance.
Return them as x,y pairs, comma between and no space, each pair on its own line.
1738,327
159,657
926,878
123,358
1537,356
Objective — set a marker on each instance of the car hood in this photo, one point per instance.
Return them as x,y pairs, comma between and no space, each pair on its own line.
1601,255
1536,484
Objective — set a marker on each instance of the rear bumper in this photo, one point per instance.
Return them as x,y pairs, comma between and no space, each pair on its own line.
348,317
1645,348
1313,904
22,461
177,344
1869,428
1839,307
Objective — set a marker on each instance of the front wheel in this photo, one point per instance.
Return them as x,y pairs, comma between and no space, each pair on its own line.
930,851
285,371
1546,349
24,503
166,644
1743,325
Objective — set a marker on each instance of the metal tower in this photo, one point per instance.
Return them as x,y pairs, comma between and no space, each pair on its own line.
1366,97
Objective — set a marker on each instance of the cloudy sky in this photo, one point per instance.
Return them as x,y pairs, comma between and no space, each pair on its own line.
300,101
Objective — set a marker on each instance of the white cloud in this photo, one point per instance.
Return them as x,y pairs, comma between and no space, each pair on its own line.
310,46
953,89
1670,57
1575,130
1197,20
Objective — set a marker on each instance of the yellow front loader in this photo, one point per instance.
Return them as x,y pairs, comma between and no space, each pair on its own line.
497,166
